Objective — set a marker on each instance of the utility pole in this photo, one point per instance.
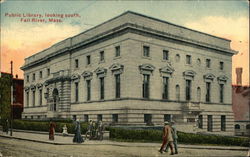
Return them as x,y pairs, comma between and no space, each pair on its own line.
11,97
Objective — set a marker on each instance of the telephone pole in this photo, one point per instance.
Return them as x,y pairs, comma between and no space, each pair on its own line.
11,97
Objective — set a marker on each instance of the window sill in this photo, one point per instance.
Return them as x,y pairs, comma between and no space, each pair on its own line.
118,57
144,57
103,61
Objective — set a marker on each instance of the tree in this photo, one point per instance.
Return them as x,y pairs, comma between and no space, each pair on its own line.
5,99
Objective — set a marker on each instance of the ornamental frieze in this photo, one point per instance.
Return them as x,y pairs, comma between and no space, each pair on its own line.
116,68
146,68
39,85
75,77
101,72
167,69
222,79
87,75
32,87
208,77
189,74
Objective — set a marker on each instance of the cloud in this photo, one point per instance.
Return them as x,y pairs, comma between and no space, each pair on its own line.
21,41
235,29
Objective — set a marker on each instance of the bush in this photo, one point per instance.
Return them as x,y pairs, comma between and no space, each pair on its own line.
188,138
44,126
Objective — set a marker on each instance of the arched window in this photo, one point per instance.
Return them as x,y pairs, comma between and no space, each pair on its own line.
237,126
177,91
248,126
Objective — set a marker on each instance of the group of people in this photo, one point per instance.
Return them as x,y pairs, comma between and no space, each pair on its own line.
169,138
95,131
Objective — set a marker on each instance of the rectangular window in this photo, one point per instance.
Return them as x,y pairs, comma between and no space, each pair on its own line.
88,60
40,97
48,71
209,123
221,93
148,119
114,118
34,98
40,74
223,123
167,117
86,118
200,121
99,117
188,59
102,88
146,51
208,63
208,87
165,54
117,51
188,90
117,86
76,63
27,99
28,78
34,77
221,65
88,89
102,56
165,88
145,86
76,91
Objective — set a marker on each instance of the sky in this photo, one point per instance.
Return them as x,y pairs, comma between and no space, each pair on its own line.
19,39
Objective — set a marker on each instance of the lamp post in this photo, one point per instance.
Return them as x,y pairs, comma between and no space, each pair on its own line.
11,98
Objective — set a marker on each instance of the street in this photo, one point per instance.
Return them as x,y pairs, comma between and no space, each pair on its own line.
22,148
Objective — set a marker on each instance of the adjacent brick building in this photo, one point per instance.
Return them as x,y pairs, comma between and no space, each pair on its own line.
17,106
134,70
241,105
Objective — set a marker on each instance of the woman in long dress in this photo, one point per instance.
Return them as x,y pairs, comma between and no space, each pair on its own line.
78,137
52,127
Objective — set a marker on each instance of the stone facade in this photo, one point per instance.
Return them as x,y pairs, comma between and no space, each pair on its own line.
133,58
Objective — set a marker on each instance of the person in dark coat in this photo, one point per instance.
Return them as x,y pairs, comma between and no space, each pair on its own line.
52,127
78,137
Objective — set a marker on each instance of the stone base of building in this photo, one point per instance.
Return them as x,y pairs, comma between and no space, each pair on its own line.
189,117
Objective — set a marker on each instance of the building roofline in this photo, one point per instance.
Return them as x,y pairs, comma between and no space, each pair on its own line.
135,13
153,18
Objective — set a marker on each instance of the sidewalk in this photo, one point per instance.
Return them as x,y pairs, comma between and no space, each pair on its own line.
43,137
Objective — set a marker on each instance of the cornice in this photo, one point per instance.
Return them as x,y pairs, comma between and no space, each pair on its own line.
122,29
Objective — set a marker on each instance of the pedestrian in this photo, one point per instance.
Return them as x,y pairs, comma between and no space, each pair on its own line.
65,130
100,130
175,137
90,130
7,126
78,137
167,137
52,127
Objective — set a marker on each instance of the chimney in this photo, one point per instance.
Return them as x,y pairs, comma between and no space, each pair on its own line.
11,67
239,71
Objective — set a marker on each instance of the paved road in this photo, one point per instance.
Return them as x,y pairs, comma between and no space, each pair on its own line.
37,144
21,148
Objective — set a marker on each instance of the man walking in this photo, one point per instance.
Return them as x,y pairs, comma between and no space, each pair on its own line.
175,137
167,138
